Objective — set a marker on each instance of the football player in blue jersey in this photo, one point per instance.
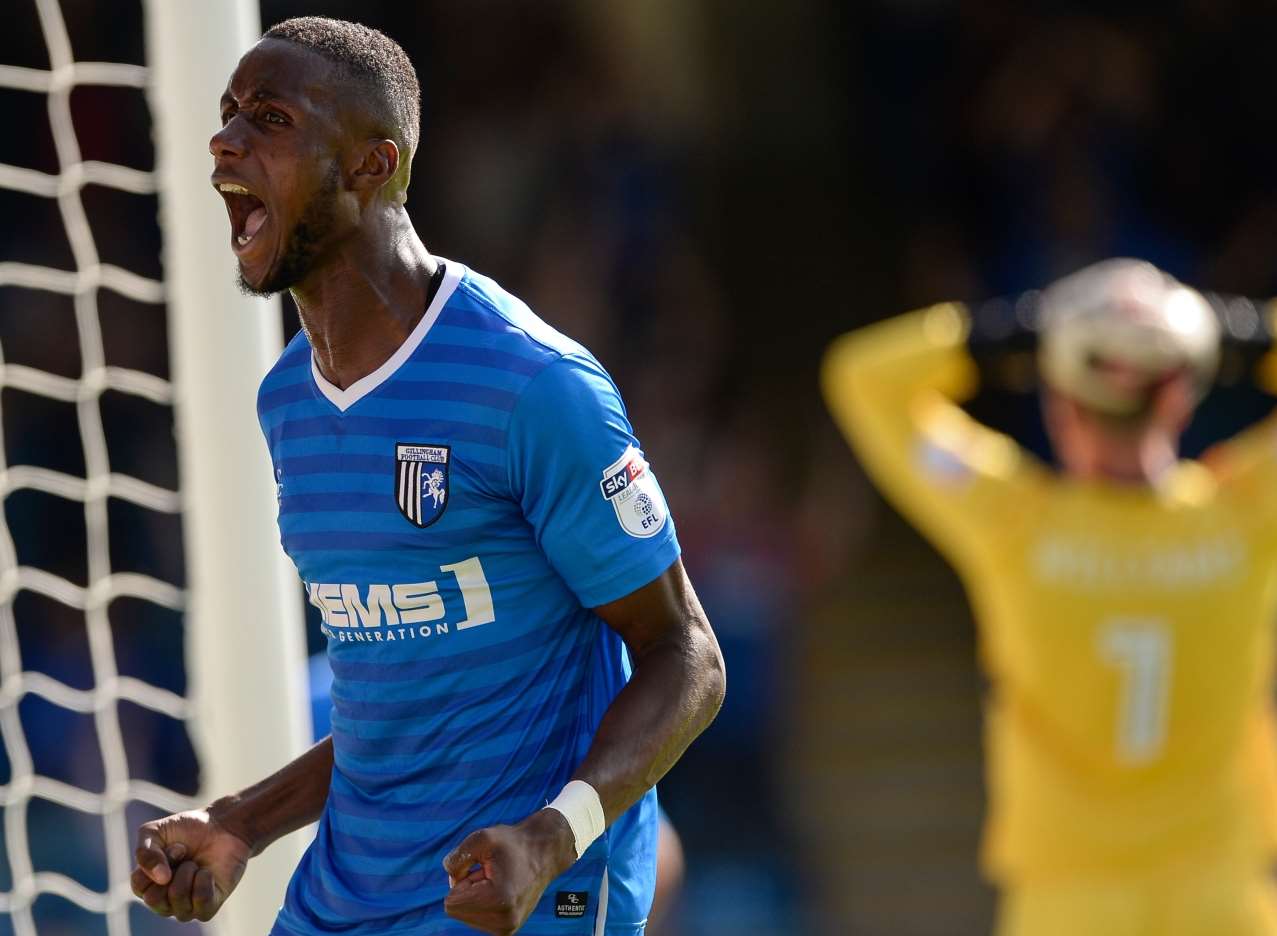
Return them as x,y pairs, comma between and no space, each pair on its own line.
518,656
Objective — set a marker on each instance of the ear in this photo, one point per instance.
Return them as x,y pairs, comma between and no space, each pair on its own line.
1054,409
1062,415
1064,418
377,165
1174,404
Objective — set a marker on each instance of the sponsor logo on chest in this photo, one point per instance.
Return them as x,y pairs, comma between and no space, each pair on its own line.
383,613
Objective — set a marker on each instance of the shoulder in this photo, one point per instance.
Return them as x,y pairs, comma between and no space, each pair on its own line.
1192,483
499,320
499,330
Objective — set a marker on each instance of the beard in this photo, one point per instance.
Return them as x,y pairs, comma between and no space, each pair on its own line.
305,243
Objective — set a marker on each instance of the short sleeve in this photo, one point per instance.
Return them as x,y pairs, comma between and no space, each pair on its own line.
585,486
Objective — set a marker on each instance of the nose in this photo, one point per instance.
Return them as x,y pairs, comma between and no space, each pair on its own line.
227,143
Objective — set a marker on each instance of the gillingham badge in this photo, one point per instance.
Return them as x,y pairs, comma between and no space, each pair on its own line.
421,481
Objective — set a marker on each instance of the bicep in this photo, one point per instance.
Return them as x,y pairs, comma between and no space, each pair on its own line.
954,479
1246,468
662,609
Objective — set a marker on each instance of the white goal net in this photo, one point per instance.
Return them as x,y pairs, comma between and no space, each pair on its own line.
125,596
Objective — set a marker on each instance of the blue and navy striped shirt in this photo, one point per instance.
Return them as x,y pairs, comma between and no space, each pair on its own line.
455,515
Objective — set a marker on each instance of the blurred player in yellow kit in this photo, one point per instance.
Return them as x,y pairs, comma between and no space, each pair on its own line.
1126,601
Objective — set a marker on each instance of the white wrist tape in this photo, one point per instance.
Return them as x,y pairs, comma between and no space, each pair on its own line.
580,805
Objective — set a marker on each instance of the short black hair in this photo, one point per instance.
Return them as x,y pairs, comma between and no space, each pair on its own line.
368,57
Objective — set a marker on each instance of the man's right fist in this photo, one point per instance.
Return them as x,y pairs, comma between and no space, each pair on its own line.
187,865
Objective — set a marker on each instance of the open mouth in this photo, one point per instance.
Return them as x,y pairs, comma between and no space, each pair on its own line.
247,212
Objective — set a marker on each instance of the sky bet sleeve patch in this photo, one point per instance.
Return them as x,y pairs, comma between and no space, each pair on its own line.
630,487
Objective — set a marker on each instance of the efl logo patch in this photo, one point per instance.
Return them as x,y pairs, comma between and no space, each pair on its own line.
628,485
421,481
570,905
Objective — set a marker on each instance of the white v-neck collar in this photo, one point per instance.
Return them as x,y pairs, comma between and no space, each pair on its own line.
345,399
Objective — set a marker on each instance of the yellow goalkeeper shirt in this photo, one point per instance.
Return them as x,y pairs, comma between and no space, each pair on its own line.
1127,630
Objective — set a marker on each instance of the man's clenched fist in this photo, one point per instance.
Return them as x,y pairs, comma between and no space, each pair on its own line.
187,865
498,874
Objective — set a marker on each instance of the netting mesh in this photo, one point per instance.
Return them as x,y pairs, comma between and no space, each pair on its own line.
99,489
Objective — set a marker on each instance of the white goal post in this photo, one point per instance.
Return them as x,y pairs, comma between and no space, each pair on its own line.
246,702
246,648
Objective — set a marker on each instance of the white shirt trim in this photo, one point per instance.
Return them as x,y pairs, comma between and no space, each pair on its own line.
600,919
345,399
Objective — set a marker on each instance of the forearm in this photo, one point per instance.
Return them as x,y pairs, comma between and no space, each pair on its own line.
675,692
1247,330
882,381
497,874
284,802
873,377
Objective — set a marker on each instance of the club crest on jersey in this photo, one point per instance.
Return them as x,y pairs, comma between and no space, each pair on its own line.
421,481
628,485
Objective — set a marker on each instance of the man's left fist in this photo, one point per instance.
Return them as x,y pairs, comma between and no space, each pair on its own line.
499,873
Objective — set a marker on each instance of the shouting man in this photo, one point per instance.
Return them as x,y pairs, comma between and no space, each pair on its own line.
508,619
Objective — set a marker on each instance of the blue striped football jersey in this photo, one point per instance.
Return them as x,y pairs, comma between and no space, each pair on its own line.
454,516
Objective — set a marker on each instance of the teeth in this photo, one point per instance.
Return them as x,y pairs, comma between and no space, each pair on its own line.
233,189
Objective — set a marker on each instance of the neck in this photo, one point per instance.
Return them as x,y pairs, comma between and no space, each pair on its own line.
361,305
1144,460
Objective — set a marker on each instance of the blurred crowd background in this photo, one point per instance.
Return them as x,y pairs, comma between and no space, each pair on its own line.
704,193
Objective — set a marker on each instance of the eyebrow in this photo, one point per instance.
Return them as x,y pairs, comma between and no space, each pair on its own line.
261,94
